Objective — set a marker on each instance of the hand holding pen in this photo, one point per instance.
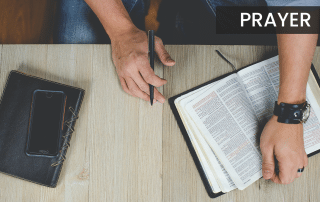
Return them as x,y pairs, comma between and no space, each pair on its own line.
130,56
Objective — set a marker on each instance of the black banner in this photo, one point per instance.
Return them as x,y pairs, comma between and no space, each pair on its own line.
267,20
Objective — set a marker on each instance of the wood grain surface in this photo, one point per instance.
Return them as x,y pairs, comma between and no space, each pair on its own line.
122,148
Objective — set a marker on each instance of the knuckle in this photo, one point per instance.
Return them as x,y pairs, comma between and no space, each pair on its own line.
139,58
134,55
127,71
266,152
149,78
265,145
267,165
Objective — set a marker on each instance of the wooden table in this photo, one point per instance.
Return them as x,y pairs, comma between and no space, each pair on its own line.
125,150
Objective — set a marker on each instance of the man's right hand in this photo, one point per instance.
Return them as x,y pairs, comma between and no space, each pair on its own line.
130,56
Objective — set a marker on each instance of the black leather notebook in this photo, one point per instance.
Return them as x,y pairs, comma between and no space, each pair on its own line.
188,140
15,110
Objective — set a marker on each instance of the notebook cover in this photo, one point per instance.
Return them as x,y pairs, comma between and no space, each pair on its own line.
15,109
186,136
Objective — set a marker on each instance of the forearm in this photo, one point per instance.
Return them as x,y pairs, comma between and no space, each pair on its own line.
113,16
295,55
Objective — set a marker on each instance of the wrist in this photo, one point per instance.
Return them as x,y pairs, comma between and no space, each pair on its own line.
292,113
121,31
113,16
292,96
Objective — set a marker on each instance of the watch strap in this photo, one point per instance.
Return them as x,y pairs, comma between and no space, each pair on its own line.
288,113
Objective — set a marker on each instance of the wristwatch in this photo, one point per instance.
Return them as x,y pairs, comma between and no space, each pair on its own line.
292,113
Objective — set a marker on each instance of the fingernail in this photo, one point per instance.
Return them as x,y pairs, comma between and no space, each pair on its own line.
170,59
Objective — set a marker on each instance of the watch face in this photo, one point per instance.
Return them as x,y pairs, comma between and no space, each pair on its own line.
306,113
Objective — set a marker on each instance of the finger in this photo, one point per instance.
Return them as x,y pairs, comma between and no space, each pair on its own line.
293,175
298,174
162,53
158,96
268,164
275,178
149,75
134,89
305,163
125,87
146,88
287,172
142,84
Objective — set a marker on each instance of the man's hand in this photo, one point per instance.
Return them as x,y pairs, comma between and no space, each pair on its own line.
130,49
285,143
130,56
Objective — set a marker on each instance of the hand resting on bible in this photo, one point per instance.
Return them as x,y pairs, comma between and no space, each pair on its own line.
285,142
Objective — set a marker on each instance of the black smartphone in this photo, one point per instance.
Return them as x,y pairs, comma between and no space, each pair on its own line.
46,123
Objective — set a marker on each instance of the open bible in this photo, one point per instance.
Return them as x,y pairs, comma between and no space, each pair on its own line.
222,120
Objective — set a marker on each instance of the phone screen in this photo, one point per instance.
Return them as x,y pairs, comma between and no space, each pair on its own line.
46,122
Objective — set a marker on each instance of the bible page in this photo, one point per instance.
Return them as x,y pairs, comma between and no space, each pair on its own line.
224,180
226,119
204,164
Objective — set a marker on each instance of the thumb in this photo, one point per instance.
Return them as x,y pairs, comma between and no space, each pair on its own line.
162,53
268,164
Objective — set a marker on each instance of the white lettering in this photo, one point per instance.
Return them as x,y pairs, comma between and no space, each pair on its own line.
245,19
283,18
270,20
305,20
292,19
254,19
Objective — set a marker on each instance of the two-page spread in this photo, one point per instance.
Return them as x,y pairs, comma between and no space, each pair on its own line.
225,118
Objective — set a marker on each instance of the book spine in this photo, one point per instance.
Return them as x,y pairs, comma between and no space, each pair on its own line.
70,123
